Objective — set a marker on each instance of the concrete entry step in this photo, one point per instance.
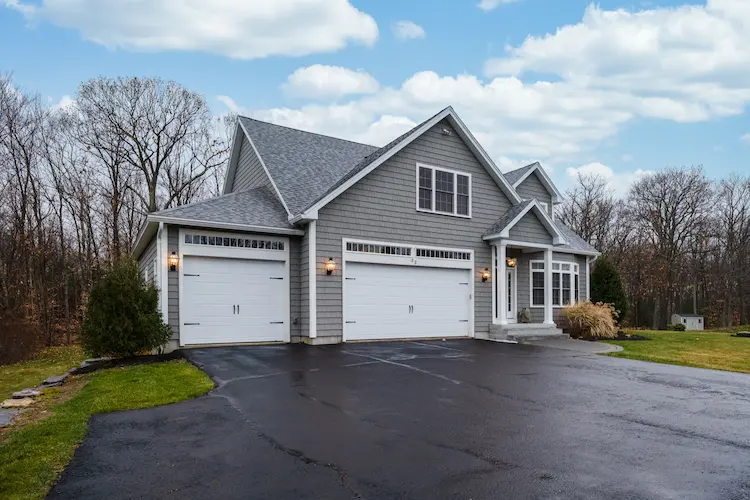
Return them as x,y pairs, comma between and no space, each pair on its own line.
526,332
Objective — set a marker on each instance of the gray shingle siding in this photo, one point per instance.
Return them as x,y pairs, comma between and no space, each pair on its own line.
173,289
530,229
147,259
532,188
249,173
381,207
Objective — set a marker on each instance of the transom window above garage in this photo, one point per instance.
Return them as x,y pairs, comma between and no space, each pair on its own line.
443,191
222,241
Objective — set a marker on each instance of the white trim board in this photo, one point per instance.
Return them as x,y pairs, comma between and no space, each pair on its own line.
225,225
464,133
234,157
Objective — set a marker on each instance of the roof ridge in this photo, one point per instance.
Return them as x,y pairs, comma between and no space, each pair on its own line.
521,168
307,132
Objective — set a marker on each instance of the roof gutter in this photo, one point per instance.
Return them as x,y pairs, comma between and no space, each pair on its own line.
225,225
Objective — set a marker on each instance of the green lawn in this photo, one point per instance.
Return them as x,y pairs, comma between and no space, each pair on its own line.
716,350
52,361
32,457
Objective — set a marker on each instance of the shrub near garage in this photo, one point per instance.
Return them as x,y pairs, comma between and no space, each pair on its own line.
676,327
123,317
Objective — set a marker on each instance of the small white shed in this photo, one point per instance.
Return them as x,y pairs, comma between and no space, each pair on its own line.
691,321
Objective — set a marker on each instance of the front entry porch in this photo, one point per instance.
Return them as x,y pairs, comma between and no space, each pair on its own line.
522,292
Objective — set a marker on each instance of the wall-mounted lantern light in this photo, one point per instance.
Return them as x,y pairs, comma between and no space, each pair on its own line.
173,261
330,266
511,262
485,275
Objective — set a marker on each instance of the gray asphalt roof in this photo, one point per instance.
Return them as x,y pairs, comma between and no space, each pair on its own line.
506,219
514,175
304,165
255,207
575,242
363,164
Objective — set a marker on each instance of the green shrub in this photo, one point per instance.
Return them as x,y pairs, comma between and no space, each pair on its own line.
606,286
590,321
676,327
122,317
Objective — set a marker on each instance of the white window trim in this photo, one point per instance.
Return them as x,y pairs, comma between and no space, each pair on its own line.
575,270
434,190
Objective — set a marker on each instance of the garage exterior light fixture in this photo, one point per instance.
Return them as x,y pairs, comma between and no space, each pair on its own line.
173,261
485,275
330,266
511,262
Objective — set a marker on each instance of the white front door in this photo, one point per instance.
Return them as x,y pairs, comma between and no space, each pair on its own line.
233,301
510,289
394,302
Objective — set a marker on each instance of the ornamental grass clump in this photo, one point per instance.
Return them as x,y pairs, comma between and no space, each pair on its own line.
591,321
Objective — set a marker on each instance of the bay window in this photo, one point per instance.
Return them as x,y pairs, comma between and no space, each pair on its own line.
565,283
443,191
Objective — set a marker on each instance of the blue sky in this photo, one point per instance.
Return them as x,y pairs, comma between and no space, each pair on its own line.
616,88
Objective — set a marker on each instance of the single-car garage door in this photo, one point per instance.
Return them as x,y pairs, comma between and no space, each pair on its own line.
233,301
391,301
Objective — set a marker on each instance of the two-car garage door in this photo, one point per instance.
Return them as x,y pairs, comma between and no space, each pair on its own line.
395,301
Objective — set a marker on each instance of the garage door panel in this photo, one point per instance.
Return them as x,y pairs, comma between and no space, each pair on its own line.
214,286
379,296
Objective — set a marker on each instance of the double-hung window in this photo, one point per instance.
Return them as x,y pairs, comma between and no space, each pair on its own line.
565,284
443,191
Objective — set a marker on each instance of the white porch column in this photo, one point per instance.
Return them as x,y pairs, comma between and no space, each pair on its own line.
548,287
502,313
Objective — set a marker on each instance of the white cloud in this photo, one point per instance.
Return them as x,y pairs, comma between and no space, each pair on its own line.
229,103
598,75
233,28
487,5
407,30
65,103
686,64
619,182
330,81
746,138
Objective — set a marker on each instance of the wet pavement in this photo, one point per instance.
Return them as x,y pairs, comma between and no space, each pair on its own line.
427,420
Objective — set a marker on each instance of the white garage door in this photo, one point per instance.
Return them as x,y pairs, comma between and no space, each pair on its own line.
392,302
233,301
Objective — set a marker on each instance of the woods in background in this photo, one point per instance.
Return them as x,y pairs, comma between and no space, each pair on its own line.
76,184
680,241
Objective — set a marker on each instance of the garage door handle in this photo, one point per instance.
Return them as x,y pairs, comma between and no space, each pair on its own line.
463,320
190,324
273,278
185,274
350,322
277,322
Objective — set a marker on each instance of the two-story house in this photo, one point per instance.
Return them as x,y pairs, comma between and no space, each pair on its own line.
323,240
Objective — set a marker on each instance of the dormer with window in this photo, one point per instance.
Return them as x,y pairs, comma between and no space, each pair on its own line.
532,182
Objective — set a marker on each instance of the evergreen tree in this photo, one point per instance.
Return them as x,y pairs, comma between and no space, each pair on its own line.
606,286
123,317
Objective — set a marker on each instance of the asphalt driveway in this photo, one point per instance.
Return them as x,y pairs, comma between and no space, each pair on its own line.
432,420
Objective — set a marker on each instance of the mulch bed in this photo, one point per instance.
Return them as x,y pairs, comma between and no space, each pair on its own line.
624,336
131,361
